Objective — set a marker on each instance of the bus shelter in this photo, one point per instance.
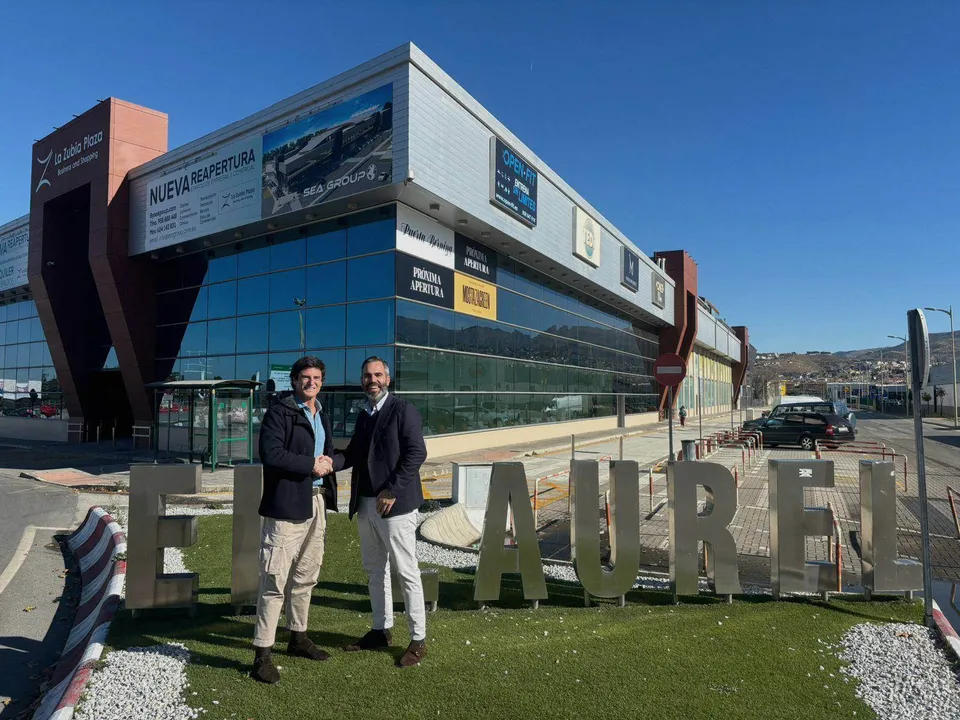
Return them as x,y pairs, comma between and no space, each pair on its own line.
210,420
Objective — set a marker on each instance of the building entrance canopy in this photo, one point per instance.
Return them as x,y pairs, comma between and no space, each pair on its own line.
212,419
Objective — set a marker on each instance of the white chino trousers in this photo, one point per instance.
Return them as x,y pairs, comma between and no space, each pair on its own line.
391,540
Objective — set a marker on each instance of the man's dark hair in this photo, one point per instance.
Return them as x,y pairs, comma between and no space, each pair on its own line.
309,361
373,359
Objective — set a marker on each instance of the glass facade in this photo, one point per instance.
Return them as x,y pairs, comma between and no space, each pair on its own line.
711,378
329,289
25,360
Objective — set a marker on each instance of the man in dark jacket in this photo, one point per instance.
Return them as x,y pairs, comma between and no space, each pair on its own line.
386,453
296,441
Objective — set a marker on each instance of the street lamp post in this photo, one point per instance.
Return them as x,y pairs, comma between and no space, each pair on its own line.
300,302
906,362
880,369
953,343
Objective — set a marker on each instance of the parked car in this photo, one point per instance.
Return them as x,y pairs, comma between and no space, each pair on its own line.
804,429
827,407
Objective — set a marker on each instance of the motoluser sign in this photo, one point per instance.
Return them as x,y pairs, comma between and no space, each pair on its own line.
791,522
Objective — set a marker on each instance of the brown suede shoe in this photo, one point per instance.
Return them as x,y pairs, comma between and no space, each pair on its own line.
373,640
302,646
264,670
416,651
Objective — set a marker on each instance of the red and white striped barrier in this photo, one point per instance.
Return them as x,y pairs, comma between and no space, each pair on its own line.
95,544
946,630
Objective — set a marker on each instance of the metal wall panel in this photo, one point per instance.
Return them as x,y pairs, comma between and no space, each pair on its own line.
449,155
714,335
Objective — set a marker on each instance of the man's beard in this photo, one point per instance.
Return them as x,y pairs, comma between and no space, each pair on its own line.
375,397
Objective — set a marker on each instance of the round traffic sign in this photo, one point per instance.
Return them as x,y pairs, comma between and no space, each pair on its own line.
670,369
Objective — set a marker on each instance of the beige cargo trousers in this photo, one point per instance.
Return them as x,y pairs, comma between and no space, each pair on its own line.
291,553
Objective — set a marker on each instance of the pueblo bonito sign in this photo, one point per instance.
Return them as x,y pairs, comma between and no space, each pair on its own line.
790,524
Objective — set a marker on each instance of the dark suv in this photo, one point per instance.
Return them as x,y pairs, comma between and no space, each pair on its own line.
804,429
826,407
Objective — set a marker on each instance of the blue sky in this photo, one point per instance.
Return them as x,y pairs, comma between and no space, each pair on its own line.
806,153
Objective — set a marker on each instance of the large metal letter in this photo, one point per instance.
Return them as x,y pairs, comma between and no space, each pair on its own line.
688,527
883,571
791,523
624,527
150,530
508,490
245,576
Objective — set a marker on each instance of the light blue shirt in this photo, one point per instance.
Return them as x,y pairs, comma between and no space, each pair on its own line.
373,409
319,434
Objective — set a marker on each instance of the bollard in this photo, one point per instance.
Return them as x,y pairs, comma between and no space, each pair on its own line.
650,476
621,447
573,447
536,503
98,433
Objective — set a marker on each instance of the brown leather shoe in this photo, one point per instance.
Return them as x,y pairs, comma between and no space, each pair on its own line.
416,651
302,646
264,670
373,640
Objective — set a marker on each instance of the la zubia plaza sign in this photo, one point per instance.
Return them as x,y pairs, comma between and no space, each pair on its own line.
791,522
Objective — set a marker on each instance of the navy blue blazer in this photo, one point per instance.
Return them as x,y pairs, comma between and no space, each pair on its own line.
287,445
394,458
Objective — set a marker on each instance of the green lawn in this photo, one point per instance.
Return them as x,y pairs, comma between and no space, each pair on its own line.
704,659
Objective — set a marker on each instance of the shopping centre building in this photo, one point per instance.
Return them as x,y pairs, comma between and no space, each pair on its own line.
383,212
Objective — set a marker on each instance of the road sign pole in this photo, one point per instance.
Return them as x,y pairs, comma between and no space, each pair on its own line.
670,418
920,356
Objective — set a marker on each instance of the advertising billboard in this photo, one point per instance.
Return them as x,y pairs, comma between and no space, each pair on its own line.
586,237
338,151
424,281
13,257
215,192
513,183
475,297
475,259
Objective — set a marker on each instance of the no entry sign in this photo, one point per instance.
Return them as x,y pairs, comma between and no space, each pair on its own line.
670,369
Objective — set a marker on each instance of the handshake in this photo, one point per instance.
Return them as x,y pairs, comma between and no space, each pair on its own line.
322,465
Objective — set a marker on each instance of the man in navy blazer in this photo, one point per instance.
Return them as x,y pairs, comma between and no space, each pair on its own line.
299,486
386,452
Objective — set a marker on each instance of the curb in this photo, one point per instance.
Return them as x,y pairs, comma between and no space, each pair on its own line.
946,631
95,544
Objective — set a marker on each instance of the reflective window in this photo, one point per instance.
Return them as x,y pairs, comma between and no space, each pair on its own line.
23,355
412,323
370,323
334,361
194,340
222,336
252,367
327,284
371,277
441,328
327,246
253,334
254,295
326,327
284,331
199,311
253,262
285,287
222,300
371,237
36,330
221,268
289,254
222,368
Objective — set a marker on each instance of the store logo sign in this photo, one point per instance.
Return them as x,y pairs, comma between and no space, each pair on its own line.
658,288
586,237
630,270
424,237
46,166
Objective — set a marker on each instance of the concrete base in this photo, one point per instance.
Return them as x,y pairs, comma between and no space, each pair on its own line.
13,428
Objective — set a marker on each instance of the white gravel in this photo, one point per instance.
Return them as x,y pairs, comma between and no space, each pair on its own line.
139,683
903,673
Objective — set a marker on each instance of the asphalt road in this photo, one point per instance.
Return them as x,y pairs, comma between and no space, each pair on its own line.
36,607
